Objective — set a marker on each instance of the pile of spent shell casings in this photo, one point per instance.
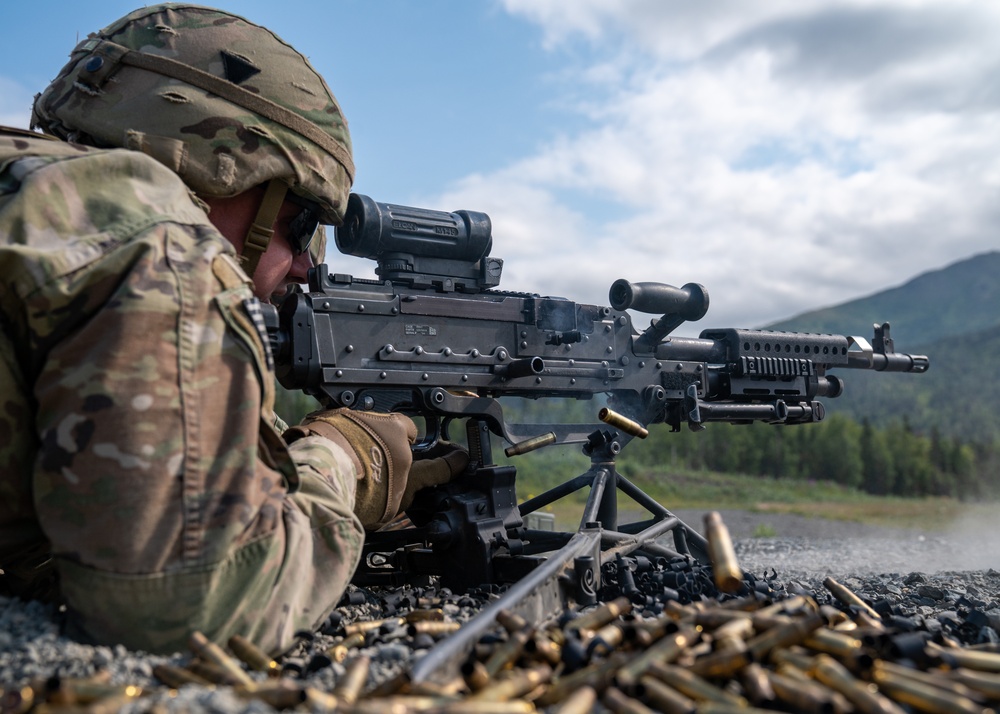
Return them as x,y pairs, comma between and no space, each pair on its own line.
743,650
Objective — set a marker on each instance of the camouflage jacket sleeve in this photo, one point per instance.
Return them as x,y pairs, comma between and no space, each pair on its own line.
170,500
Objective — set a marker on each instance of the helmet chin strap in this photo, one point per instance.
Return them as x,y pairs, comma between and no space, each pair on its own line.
262,229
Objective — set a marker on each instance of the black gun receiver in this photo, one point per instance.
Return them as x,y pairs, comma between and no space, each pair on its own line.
434,337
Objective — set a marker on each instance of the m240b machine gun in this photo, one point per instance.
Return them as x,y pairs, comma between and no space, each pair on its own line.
434,337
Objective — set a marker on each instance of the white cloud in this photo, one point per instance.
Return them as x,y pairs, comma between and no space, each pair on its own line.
788,156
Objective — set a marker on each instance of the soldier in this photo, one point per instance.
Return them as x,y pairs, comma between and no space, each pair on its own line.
140,457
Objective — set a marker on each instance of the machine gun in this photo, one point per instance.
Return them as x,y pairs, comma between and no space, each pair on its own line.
433,337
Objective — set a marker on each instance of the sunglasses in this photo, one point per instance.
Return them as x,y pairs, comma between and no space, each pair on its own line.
303,227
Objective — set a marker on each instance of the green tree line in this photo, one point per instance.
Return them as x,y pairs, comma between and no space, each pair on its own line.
891,459
894,459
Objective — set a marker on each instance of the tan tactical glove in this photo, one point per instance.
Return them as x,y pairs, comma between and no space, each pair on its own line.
379,446
440,465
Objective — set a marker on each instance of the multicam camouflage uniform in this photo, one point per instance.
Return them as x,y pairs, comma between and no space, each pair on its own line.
136,423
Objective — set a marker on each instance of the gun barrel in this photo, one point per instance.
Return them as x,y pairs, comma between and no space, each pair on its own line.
892,362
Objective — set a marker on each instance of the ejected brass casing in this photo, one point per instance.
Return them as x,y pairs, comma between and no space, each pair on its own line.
86,691
842,645
783,635
400,704
355,675
922,697
320,702
579,702
174,676
796,657
433,628
846,596
369,625
252,656
802,694
475,675
279,693
715,617
863,695
506,652
984,682
18,700
935,678
515,685
427,613
528,445
543,648
213,653
970,659
601,615
620,703
692,685
725,568
666,649
722,663
467,706
511,621
211,672
338,653
622,422
598,676
665,698
756,684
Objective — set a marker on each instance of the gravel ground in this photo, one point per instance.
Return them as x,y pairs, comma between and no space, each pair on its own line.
943,581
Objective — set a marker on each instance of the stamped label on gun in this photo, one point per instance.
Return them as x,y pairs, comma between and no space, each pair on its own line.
424,330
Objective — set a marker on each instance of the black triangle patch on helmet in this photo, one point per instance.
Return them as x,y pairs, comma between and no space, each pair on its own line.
237,69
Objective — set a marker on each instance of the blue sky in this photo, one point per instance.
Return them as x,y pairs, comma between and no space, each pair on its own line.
788,155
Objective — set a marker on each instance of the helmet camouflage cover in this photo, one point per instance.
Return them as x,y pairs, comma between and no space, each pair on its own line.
224,103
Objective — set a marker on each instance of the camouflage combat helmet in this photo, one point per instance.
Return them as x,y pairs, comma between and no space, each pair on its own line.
224,103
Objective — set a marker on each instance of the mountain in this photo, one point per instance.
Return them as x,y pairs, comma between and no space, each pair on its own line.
959,299
953,316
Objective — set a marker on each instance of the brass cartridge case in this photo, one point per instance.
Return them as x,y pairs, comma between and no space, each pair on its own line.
722,663
467,706
252,656
793,605
783,636
516,685
427,613
716,617
921,696
369,625
211,652
338,653
800,694
506,653
598,676
794,656
863,695
620,703
511,621
348,689
579,702
602,615
935,678
176,677
529,445
842,645
666,649
279,693
72,691
692,685
434,628
984,682
17,700
539,645
846,596
319,702
211,672
756,684
475,675
665,698
725,568
969,659
622,422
